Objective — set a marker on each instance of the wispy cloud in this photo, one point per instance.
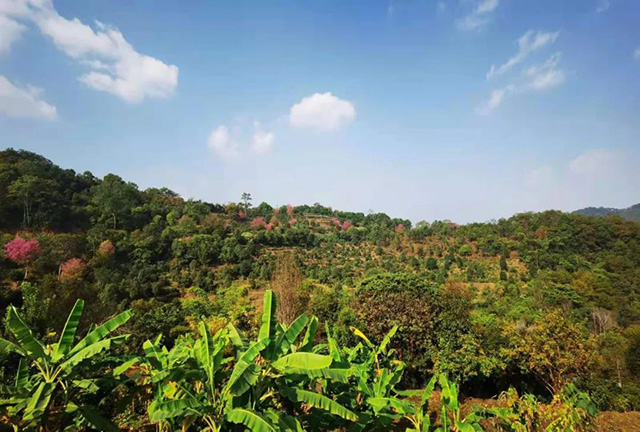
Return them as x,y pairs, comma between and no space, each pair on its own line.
18,101
479,16
537,78
546,76
528,43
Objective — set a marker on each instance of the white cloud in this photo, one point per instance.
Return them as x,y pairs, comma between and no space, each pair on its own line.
546,76
222,143
479,16
594,162
539,78
496,98
603,6
529,42
262,141
115,66
234,142
322,111
10,31
23,102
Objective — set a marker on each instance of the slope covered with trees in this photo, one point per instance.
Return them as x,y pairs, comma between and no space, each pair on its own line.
535,303
629,213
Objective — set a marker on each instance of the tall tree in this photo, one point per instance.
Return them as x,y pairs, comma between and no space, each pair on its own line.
246,200
113,197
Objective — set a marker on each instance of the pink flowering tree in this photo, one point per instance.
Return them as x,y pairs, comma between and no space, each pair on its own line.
241,215
336,222
346,225
268,226
72,269
258,222
290,211
400,228
22,252
292,222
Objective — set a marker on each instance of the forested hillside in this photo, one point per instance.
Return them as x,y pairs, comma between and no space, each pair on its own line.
629,213
538,302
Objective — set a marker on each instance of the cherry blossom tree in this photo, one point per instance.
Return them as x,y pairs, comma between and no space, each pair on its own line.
258,222
72,269
292,222
22,252
290,211
346,225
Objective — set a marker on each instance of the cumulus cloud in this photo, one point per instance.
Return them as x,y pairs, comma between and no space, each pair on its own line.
23,102
114,65
10,31
479,16
594,162
528,43
261,141
222,143
231,143
322,112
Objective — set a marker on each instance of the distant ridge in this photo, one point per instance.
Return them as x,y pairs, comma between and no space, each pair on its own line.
629,213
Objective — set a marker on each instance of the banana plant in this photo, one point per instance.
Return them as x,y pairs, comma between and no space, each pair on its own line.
376,378
268,385
420,419
450,415
277,377
53,381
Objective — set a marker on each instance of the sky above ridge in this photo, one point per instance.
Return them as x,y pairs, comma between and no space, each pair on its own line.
467,110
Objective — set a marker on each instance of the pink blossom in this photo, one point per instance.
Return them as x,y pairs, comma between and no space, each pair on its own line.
72,268
400,228
290,211
258,222
241,215
346,225
268,226
292,222
336,222
22,251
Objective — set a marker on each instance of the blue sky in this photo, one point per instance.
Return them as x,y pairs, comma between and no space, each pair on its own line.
466,110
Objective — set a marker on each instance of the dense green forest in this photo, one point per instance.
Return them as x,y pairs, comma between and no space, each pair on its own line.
199,316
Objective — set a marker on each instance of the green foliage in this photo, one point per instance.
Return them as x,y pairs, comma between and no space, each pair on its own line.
54,381
467,300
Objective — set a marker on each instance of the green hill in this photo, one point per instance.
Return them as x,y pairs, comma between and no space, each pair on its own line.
533,302
630,213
